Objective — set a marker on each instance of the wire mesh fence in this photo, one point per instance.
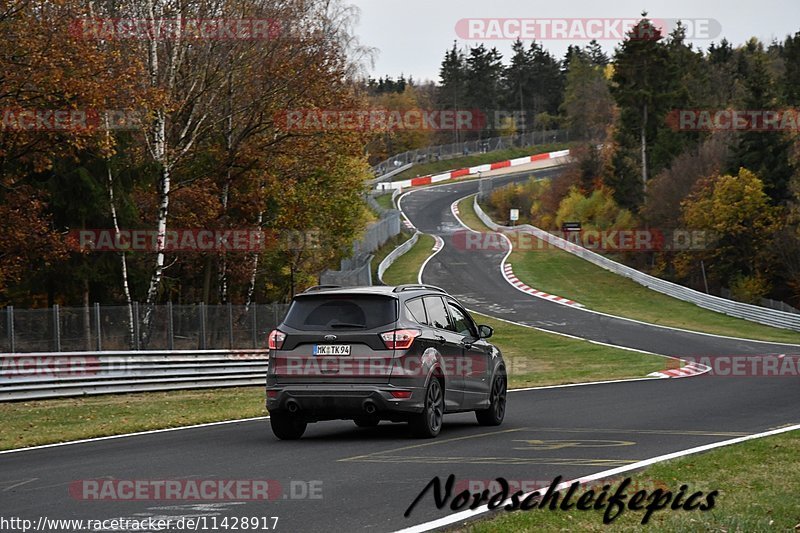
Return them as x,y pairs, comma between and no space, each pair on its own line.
449,151
357,269
171,327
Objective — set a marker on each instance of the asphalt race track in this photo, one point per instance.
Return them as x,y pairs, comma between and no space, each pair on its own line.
367,477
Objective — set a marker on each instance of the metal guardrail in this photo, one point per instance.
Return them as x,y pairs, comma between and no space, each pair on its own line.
390,174
465,148
395,254
61,374
753,313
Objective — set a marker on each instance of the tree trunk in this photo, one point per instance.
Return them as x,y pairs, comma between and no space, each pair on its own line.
222,273
251,288
644,149
123,259
161,232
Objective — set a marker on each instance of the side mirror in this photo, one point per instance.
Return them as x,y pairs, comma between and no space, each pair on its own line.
485,331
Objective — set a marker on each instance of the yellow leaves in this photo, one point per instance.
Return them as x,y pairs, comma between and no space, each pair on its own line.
731,204
599,210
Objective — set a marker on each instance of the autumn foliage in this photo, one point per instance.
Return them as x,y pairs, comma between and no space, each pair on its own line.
199,149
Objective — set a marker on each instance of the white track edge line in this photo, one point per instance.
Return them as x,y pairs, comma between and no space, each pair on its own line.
465,515
135,434
782,343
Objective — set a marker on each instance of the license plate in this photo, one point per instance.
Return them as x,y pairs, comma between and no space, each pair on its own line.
331,349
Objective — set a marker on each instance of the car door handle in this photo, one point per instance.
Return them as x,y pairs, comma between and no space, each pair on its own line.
441,339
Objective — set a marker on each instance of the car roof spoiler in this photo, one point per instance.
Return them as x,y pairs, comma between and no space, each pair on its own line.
321,287
417,286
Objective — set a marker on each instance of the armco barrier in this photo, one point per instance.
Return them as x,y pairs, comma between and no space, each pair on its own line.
461,172
58,374
754,313
396,253
460,149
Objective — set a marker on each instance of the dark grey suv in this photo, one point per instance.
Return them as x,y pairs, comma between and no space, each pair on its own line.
407,354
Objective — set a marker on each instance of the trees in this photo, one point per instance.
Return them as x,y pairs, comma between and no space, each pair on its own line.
483,81
517,77
208,152
547,83
764,152
740,224
452,82
588,105
597,210
643,85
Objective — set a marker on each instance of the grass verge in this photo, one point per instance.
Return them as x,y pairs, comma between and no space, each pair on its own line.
558,272
405,269
435,167
387,247
534,357
758,483
385,201
46,421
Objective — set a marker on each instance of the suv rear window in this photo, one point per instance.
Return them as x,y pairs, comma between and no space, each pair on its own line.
341,311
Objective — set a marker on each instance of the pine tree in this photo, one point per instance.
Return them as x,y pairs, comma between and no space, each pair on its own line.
596,54
764,152
517,80
644,82
452,75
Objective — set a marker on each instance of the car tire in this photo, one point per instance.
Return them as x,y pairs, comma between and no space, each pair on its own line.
366,421
496,412
428,423
287,427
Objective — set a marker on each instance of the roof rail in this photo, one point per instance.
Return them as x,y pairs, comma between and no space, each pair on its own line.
414,286
322,287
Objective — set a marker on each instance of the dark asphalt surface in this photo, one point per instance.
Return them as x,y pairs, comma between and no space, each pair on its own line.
369,476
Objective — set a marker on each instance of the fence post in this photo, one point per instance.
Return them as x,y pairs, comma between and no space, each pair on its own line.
202,326
136,332
97,327
230,326
56,329
10,319
170,327
274,315
255,327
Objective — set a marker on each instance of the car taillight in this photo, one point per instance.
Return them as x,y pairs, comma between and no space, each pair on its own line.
400,339
276,339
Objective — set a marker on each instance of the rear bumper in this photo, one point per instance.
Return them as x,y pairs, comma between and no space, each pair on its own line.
331,402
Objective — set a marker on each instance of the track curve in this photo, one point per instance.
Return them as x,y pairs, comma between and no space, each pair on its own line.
368,477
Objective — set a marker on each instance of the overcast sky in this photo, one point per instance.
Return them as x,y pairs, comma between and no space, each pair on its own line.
412,35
